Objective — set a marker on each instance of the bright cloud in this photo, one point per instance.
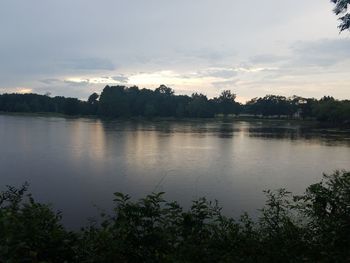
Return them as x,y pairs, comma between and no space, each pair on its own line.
24,90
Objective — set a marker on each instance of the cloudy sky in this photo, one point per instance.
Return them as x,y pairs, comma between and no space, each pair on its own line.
76,47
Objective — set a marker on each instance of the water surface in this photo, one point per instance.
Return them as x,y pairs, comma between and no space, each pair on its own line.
76,164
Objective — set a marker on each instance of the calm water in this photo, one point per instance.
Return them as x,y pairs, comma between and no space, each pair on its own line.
76,164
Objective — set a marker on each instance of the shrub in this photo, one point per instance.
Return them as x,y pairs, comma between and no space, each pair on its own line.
314,227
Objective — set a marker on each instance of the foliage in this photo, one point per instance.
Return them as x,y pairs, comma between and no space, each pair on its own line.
42,103
126,102
199,106
327,109
272,105
314,227
226,104
341,8
326,205
121,101
30,231
331,110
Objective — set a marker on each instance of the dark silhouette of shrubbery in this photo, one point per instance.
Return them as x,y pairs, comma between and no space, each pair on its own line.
313,227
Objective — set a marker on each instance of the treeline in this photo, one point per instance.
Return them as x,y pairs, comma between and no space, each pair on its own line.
43,103
327,109
121,101
125,102
313,227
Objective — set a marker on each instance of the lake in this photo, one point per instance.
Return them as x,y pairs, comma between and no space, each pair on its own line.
77,164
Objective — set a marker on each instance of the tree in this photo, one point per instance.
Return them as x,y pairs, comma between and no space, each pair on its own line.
114,102
93,98
71,106
165,90
226,103
227,95
272,105
341,8
92,103
200,107
150,110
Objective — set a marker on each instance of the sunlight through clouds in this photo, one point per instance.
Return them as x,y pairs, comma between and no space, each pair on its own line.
24,90
164,77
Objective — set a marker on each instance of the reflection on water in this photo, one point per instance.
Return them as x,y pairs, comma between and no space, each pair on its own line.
308,134
78,163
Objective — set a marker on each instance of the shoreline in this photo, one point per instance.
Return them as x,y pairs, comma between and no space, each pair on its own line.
306,122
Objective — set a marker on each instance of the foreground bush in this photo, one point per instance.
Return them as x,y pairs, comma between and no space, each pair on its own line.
314,227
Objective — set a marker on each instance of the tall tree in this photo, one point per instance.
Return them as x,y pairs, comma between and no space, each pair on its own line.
226,103
114,102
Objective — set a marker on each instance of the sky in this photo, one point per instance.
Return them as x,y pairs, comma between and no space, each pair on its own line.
253,48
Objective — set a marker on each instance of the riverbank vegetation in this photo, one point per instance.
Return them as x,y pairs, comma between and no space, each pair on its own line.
313,227
127,102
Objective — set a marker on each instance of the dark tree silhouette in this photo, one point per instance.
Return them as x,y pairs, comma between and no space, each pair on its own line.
200,106
93,98
226,103
165,90
125,102
114,102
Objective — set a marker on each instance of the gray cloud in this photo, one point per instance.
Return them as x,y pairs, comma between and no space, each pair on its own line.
88,64
77,83
227,84
224,73
49,81
121,78
267,59
322,53
64,46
